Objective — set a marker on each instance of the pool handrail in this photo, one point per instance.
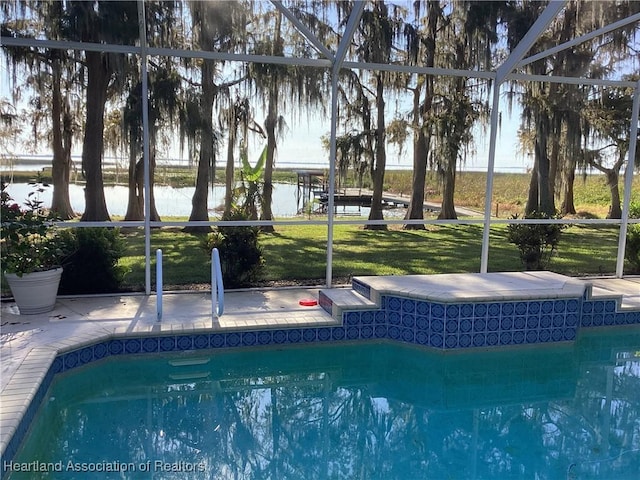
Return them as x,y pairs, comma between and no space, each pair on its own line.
159,284
217,287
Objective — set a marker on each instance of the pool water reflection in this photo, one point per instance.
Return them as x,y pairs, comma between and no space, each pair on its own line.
373,410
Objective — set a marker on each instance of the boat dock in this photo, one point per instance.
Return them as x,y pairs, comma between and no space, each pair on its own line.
355,197
313,190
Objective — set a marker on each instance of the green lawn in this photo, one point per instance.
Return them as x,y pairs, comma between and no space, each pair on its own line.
297,253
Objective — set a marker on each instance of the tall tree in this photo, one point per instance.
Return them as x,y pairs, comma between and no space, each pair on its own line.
422,50
51,74
219,27
469,34
99,22
594,59
164,105
273,123
607,118
164,90
281,86
374,41
552,110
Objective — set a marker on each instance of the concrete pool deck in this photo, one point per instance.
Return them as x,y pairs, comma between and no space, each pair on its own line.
29,344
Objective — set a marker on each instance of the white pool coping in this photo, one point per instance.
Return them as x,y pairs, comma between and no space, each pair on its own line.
478,287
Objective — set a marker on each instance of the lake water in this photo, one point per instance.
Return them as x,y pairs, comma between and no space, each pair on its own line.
170,201
176,202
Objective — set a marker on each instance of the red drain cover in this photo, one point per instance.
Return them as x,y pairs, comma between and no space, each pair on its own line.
308,302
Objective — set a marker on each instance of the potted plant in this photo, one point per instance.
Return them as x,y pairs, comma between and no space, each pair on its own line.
31,252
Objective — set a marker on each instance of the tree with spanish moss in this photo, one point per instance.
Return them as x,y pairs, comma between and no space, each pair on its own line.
421,50
280,86
468,37
374,42
219,26
607,116
99,22
52,77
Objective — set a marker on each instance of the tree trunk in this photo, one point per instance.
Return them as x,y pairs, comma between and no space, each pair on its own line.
206,160
199,201
380,159
448,210
270,124
416,204
546,203
228,176
61,166
568,207
99,73
532,197
554,157
153,211
135,208
612,181
267,192
540,195
615,211
422,138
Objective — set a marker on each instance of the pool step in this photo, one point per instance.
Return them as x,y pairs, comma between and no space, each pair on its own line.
335,301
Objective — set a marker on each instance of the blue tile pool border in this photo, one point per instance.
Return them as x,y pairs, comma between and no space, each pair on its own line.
441,326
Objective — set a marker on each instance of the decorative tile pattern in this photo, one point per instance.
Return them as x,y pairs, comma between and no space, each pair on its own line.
325,302
362,288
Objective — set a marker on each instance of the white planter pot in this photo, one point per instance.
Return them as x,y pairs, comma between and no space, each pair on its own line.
35,292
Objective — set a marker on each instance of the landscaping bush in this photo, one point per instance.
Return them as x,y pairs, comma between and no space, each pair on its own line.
536,242
92,265
241,258
632,251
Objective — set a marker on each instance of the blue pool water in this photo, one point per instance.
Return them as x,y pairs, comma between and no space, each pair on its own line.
368,410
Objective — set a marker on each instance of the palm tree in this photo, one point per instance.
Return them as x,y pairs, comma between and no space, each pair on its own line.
239,121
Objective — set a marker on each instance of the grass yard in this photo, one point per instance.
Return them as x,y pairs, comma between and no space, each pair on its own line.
296,254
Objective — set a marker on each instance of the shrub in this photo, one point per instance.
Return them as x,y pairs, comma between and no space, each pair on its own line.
634,210
241,258
536,242
93,265
632,251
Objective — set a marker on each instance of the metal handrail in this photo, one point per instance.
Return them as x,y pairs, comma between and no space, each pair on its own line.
217,287
159,284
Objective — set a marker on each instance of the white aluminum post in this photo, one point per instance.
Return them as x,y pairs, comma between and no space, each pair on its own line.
628,181
484,256
145,145
217,287
343,47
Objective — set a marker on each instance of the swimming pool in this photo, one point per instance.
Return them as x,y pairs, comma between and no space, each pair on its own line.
368,410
